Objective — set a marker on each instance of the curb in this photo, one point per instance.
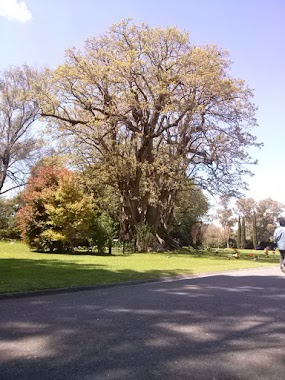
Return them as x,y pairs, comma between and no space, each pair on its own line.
46,292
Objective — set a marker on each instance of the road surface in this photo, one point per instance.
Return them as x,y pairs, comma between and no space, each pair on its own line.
222,326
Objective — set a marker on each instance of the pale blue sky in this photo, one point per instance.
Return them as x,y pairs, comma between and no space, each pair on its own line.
253,31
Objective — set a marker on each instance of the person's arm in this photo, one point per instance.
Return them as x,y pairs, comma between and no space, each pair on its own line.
277,235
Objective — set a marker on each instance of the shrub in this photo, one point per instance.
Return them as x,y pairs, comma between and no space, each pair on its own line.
144,237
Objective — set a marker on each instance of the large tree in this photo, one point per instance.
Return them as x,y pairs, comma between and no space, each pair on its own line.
17,115
153,109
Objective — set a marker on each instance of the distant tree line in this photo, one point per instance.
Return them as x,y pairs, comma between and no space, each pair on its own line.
246,223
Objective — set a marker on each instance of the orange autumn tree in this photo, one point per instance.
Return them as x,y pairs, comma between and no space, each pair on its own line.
56,214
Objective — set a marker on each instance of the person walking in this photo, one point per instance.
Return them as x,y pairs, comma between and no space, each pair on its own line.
279,238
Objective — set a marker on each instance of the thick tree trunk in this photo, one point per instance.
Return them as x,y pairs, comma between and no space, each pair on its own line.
136,207
153,218
167,243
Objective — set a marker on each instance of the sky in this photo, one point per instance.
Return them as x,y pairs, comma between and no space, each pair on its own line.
37,32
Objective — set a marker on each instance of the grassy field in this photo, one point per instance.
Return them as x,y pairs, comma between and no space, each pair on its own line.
24,270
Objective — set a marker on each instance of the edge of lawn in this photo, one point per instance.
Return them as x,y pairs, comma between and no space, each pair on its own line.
73,289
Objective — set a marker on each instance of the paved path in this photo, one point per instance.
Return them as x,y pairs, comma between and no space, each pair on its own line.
226,326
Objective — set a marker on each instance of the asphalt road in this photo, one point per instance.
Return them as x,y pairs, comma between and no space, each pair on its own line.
224,326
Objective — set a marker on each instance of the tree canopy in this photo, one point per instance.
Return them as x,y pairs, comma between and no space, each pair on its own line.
153,109
17,115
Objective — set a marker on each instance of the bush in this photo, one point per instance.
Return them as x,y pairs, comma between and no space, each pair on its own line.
144,237
103,232
8,224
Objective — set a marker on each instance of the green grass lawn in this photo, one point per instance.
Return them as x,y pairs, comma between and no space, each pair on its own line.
24,270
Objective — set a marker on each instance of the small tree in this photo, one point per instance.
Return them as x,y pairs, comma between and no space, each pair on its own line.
246,207
144,237
254,236
102,232
8,223
69,213
242,235
32,216
239,234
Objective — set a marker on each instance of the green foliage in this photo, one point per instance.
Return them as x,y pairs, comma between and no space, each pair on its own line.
8,223
189,209
144,237
106,199
69,213
58,214
103,231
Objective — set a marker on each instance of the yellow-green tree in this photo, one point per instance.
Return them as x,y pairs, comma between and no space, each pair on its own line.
152,109
70,213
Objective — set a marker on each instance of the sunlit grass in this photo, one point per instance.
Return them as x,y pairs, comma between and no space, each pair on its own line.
24,270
